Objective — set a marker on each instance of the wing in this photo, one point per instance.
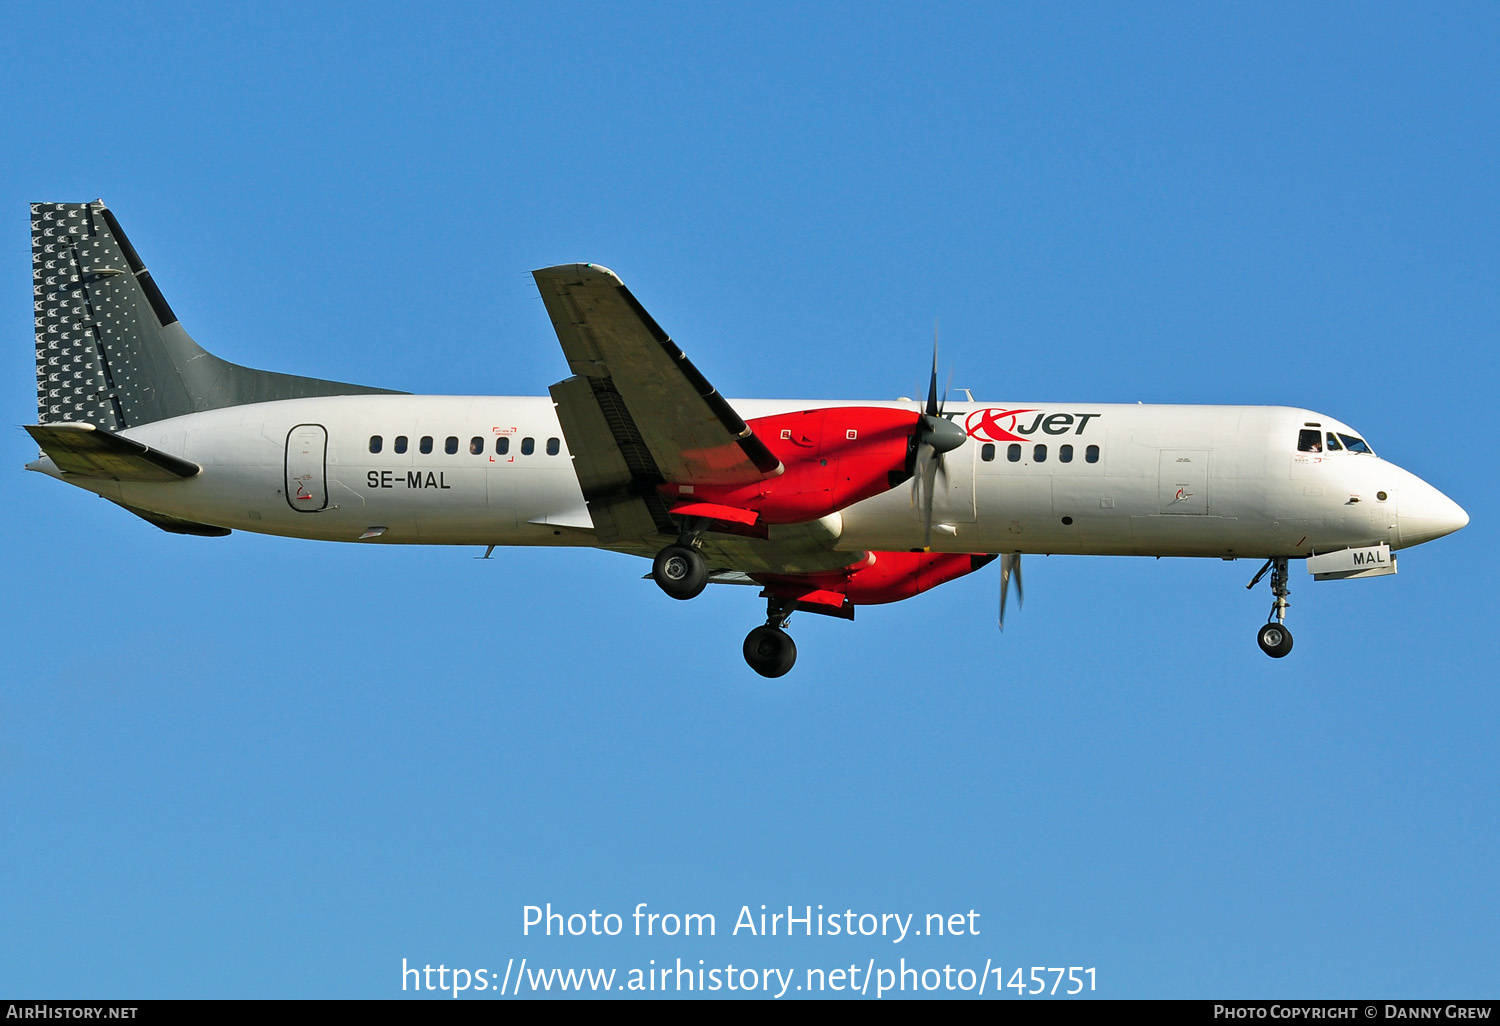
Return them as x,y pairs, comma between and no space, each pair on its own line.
637,414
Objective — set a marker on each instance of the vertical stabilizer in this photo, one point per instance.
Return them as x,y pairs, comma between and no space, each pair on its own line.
109,349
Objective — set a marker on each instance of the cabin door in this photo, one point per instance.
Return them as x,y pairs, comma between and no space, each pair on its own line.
307,468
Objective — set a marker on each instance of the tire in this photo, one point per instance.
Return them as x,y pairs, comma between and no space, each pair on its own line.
681,572
770,651
1274,640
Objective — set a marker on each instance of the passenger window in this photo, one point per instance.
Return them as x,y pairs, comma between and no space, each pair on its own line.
528,446
451,445
375,443
1013,453
476,446
502,445
1333,443
553,447
988,452
425,445
1091,454
1039,454
400,443
1065,453
1309,440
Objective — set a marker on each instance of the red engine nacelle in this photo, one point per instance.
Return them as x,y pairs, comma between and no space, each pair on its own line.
833,458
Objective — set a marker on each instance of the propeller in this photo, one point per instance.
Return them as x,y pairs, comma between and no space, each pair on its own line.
934,436
1010,566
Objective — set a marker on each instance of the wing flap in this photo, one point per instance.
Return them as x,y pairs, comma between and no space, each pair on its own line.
617,480
91,451
714,511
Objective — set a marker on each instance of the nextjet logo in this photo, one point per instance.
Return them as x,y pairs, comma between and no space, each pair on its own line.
992,425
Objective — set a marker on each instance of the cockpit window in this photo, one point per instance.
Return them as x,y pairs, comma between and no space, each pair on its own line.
1333,442
1309,440
1356,444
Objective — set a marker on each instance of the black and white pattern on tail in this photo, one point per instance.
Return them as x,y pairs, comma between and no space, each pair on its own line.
110,351
73,380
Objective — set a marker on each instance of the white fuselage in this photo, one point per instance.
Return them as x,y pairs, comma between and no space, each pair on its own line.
1136,480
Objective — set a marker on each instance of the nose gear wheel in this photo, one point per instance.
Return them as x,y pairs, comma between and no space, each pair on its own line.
1274,640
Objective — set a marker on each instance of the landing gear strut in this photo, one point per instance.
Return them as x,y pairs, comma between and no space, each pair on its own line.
769,649
1274,638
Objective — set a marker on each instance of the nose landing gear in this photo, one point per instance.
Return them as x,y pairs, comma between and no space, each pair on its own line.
769,649
1274,638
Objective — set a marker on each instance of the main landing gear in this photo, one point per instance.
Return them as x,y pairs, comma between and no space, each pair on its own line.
769,649
681,571
1274,638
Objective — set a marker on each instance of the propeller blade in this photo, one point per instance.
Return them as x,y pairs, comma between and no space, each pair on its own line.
932,395
934,435
924,474
928,477
1010,566
1004,585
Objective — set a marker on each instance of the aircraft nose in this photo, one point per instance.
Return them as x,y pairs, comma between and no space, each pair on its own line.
1427,513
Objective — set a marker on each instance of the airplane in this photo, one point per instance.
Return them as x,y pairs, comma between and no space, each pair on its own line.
824,506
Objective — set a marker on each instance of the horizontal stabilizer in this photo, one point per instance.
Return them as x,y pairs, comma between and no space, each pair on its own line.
175,525
90,451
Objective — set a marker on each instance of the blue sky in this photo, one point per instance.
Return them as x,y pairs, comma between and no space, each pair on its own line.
262,767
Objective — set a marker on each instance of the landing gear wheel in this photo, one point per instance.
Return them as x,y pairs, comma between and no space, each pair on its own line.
770,651
1275,640
680,572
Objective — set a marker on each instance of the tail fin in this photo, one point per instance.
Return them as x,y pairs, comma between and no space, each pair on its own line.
109,350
